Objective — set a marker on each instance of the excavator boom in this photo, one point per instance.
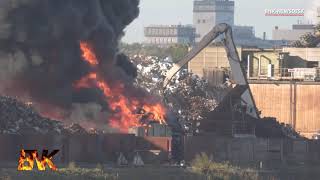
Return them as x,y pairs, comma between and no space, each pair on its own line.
234,60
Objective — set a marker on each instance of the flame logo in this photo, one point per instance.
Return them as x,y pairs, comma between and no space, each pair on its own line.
26,163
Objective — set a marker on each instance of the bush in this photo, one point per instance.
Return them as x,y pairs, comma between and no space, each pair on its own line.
72,166
206,166
175,51
99,167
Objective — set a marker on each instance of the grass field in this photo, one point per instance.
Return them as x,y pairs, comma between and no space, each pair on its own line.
201,169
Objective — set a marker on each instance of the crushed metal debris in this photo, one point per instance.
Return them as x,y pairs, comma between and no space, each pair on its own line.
21,118
189,96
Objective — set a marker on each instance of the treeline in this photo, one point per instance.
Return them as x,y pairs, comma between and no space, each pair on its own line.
176,52
309,40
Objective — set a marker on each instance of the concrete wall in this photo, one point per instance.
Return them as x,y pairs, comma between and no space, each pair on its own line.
307,54
105,148
253,151
11,145
85,148
295,104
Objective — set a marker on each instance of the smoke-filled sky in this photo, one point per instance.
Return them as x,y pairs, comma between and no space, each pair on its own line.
248,12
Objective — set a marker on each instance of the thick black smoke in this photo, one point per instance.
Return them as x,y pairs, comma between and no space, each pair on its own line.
42,37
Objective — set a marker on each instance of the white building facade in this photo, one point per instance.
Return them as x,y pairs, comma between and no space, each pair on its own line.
166,35
208,13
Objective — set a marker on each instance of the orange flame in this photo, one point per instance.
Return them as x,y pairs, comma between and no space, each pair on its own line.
87,54
125,109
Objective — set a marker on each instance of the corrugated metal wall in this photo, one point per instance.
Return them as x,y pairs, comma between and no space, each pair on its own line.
296,104
252,150
83,148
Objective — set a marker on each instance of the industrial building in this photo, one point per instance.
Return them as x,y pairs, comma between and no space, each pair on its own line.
292,34
286,76
208,13
211,63
163,35
276,64
318,15
284,64
245,36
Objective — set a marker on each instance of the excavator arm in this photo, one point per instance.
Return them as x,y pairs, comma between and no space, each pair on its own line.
234,60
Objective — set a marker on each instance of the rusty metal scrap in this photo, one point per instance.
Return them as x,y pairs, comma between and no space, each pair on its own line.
188,95
21,119
233,57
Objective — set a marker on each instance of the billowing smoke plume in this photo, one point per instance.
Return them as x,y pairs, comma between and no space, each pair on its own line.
40,57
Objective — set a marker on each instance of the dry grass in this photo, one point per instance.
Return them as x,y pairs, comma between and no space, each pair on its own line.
206,166
70,173
203,168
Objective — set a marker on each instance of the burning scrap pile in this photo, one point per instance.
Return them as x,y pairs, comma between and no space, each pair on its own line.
19,118
63,57
22,119
188,95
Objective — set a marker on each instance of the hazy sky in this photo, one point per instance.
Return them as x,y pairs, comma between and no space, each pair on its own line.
247,12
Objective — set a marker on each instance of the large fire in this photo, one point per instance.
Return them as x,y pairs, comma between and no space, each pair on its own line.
88,54
126,111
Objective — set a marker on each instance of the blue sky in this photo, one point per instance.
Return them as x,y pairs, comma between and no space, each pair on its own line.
247,12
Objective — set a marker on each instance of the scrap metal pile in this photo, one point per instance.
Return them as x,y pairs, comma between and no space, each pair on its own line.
193,99
20,118
270,127
188,95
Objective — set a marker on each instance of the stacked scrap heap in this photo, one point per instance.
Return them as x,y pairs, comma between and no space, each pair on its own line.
21,119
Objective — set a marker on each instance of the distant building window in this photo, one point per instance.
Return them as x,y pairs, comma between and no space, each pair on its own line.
199,21
204,21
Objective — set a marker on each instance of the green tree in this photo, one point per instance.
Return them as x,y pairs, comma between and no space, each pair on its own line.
177,52
317,30
309,40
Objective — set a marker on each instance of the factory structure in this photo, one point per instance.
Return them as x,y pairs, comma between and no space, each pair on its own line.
288,77
286,74
165,35
209,13
318,15
293,34
206,15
